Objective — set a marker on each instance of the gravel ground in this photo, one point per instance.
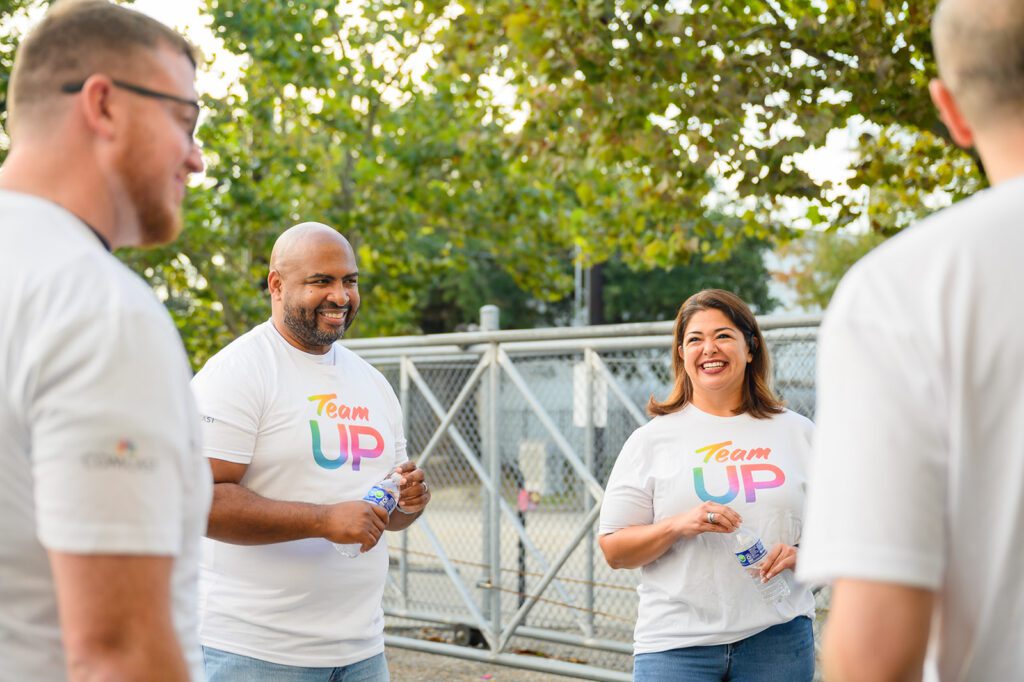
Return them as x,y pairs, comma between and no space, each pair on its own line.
415,666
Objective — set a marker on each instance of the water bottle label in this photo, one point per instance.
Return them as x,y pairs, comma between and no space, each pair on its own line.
752,554
382,498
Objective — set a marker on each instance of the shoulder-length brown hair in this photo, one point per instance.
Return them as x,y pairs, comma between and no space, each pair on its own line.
759,399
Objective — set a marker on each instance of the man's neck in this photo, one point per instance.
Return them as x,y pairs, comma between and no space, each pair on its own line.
1002,151
277,319
73,184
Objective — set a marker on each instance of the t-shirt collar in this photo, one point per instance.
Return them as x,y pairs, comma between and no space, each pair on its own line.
103,240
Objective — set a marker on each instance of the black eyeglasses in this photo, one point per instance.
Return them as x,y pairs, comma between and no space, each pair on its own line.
72,88
188,125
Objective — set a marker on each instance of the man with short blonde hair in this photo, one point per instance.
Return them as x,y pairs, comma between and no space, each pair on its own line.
103,492
916,506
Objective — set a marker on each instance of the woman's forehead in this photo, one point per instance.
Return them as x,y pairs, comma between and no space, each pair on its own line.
707,320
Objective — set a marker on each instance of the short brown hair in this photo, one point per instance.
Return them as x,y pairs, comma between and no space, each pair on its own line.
78,38
759,400
979,49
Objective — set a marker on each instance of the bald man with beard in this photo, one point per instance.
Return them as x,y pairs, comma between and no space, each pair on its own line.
916,505
297,429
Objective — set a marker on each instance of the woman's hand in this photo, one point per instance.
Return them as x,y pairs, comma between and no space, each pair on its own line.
779,559
708,517
637,546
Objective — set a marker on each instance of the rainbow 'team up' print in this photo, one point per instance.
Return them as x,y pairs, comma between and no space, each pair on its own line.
356,441
758,476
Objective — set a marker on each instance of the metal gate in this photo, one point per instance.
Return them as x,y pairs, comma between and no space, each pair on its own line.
517,432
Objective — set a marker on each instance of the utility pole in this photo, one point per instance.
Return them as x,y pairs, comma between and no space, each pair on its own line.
588,294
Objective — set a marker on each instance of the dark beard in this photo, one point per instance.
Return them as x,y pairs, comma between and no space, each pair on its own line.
302,323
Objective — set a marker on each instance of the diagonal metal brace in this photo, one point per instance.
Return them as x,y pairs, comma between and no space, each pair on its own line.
609,380
595,488
563,556
474,463
460,586
449,417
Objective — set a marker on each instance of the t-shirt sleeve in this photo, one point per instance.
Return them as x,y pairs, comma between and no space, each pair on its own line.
111,423
229,394
629,495
806,430
879,476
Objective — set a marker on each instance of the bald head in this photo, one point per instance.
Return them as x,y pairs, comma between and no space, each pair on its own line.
314,286
298,244
979,47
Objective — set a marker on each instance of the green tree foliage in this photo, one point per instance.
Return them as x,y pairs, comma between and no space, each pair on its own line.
629,295
656,293
332,120
818,260
654,135
676,104
9,11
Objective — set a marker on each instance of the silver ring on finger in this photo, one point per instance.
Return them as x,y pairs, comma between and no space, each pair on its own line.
711,517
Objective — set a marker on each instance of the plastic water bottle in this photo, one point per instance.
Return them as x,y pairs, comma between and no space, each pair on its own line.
750,553
385,495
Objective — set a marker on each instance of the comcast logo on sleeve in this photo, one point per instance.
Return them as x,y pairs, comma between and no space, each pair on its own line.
123,454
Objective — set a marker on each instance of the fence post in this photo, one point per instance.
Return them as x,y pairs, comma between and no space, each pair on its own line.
490,318
588,454
490,321
403,400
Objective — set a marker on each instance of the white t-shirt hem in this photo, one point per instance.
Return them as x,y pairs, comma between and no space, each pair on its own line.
882,564
713,639
109,539
227,456
298,661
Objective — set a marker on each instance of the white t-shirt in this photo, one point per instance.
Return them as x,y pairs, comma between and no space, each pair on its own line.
697,594
99,437
312,428
920,450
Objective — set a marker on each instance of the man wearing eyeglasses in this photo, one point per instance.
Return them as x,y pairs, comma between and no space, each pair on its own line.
103,492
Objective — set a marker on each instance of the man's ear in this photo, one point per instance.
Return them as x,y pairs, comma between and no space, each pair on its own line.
274,284
950,114
96,106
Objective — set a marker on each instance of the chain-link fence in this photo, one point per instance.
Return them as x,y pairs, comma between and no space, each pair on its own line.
517,432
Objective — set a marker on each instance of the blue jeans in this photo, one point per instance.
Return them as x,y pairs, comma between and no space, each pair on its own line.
222,666
782,653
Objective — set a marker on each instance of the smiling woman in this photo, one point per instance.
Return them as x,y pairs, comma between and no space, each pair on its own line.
721,362
721,438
